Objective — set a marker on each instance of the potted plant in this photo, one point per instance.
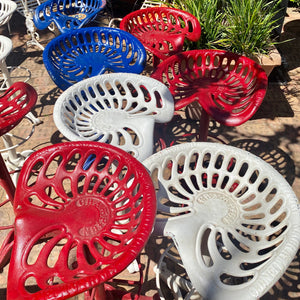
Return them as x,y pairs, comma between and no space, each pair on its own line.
242,26
211,17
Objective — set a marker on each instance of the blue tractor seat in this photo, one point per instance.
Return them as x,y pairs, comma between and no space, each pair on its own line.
67,14
91,51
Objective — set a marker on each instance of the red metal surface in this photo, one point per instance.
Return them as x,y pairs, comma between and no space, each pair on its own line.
78,224
162,30
15,103
7,183
229,87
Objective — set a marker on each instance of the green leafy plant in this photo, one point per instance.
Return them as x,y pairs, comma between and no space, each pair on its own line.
249,26
240,26
211,18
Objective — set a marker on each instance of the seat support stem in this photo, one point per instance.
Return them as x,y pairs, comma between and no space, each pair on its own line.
156,61
6,181
204,125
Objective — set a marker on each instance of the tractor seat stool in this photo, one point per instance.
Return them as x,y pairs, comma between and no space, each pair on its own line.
90,51
77,227
227,87
19,97
234,220
10,73
15,104
117,108
67,15
162,30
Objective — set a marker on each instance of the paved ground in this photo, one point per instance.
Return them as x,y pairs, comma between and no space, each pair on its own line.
273,133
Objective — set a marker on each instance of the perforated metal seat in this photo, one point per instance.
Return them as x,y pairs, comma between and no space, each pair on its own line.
233,219
7,8
118,108
13,159
77,227
67,15
228,87
15,103
87,52
162,30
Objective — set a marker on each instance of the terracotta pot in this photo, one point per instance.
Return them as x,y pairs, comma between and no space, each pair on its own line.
268,61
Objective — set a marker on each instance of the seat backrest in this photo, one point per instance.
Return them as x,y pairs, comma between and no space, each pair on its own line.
234,219
117,108
15,103
162,30
87,52
230,87
67,14
77,227
7,8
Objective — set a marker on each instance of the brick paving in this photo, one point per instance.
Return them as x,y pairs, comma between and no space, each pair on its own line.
273,133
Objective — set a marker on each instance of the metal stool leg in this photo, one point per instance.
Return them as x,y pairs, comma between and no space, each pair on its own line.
6,77
6,181
14,160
